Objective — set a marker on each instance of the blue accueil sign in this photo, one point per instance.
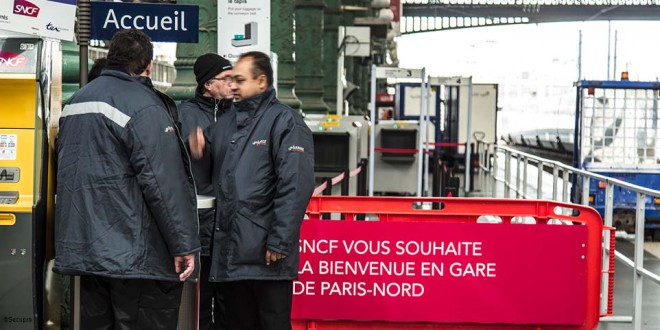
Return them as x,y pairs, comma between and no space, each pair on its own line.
161,22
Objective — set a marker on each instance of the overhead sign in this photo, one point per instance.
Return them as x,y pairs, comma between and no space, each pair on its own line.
44,18
449,81
243,26
441,272
386,72
161,22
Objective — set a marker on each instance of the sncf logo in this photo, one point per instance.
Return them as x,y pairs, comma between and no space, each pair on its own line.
25,8
12,60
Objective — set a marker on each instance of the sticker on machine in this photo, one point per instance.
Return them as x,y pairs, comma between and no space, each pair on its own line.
8,143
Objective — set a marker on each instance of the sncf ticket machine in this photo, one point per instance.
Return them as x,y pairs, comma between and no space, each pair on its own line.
25,193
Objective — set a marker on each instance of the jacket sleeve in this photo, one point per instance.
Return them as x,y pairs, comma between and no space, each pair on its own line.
156,155
188,124
294,169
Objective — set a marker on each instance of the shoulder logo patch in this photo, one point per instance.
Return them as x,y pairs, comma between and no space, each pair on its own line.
260,143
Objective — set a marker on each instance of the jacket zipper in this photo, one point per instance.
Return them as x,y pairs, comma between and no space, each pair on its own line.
215,110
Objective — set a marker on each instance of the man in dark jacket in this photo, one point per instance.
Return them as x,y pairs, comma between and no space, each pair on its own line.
212,98
263,171
126,219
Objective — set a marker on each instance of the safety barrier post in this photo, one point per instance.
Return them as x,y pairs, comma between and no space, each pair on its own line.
518,176
539,181
327,192
638,280
507,171
328,189
437,179
565,177
555,178
474,159
362,178
345,182
525,165
495,160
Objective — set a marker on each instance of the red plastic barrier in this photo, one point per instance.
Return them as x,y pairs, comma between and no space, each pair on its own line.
423,268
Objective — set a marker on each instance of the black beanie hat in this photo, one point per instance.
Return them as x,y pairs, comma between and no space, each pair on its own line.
208,66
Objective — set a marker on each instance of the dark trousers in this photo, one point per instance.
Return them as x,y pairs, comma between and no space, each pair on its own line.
258,305
119,304
211,300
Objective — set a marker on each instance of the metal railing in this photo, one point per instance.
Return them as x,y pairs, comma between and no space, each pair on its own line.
492,156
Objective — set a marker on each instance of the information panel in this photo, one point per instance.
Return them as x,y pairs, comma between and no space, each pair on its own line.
161,22
45,18
243,26
441,272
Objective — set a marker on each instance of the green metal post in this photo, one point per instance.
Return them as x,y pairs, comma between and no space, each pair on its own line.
281,43
70,69
331,22
357,69
184,85
309,55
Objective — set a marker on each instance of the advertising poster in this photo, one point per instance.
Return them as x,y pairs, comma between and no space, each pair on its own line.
243,26
45,18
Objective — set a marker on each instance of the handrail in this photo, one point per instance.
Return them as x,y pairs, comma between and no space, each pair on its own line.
492,151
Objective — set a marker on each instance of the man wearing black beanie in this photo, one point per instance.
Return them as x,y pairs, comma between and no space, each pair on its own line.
213,97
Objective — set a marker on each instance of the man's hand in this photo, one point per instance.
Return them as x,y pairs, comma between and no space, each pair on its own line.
197,143
184,266
272,256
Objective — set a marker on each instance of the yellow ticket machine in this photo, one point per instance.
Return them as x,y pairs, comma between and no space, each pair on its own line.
26,195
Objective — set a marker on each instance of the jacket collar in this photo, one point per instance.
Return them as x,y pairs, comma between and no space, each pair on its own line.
169,104
253,107
121,74
204,100
207,103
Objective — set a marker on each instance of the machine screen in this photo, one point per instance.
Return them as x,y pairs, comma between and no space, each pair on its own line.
398,139
331,152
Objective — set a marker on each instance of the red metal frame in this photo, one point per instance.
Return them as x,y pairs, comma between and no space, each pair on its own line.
464,210
610,272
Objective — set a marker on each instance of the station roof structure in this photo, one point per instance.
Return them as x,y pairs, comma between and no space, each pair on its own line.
434,15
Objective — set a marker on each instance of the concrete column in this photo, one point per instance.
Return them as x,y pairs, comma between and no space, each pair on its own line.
309,55
331,22
281,43
186,53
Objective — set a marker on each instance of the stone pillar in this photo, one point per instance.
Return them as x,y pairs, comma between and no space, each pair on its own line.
281,43
309,55
184,85
331,22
